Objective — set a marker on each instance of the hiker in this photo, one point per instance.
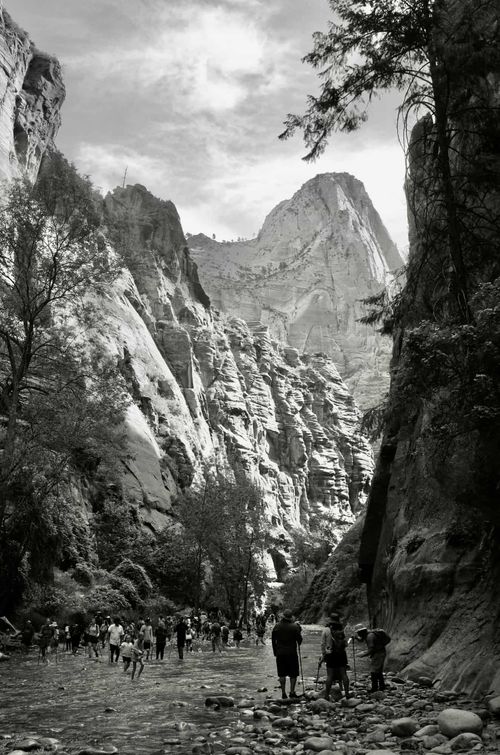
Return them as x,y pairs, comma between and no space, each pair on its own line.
67,637
286,637
333,651
180,630
215,634
115,634
224,633
27,636
161,639
376,640
75,631
93,638
189,637
137,653
147,631
237,637
260,630
44,639
126,651
103,630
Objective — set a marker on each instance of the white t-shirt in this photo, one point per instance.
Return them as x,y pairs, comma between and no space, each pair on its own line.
126,649
115,634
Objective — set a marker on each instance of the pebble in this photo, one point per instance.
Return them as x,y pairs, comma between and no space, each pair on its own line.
404,727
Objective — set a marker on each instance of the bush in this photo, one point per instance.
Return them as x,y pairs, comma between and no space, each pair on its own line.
82,573
105,599
136,574
126,588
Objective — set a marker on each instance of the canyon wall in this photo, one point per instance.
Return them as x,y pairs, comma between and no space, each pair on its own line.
315,258
205,389
430,544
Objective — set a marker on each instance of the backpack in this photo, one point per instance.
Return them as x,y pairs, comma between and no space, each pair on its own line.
338,639
381,637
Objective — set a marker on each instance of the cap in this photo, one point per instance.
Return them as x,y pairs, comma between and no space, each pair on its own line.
287,614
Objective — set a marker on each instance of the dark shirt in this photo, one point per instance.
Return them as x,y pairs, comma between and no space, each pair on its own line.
285,637
180,631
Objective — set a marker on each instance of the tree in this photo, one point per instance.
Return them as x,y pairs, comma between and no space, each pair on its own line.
61,400
225,520
429,50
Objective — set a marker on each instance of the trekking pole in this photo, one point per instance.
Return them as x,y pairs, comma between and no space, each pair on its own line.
317,675
301,673
354,660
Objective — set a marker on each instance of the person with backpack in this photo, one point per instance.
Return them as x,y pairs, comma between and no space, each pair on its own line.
333,652
376,641
286,640
215,634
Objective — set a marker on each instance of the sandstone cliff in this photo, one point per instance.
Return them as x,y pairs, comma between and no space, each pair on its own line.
429,548
317,255
31,95
207,388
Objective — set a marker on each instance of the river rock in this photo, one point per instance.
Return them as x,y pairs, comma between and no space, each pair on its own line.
317,744
427,731
465,741
494,706
202,748
238,750
453,721
222,700
350,702
28,744
283,723
108,750
404,727
321,705
431,741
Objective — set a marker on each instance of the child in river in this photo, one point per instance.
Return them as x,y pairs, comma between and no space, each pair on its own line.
137,654
126,650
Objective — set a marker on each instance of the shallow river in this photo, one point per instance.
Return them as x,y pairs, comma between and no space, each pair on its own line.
67,698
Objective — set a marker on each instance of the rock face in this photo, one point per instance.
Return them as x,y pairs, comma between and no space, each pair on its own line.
31,95
429,548
210,389
315,257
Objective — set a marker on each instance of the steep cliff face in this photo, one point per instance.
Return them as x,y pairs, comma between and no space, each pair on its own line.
31,95
315,257
209,389
429,548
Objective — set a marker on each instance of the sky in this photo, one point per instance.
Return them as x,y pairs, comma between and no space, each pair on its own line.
189,97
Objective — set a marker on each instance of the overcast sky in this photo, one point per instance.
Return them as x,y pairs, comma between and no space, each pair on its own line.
190,96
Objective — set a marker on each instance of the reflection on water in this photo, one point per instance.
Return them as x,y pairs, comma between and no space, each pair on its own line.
68,699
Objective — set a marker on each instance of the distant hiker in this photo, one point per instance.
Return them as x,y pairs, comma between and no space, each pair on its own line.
180,630
103,630
126,650
27,634
260,630
215,635
67,637
115,634
286,638
44,639
161,639
189,637
224,633
137,653
93,638
147,631
333,651
237,637
376,640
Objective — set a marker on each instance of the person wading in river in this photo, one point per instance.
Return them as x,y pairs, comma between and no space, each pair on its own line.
333,651
286,638
376,640
115,633
180,630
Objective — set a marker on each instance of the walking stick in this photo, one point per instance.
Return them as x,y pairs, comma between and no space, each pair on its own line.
354,660
301,673
317,675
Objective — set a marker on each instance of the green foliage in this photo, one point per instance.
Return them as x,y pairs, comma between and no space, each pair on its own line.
136,574
119,533
106,598
82,573
174,566
61,402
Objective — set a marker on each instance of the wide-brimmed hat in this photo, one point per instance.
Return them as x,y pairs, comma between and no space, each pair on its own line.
359,629
287,614
334,618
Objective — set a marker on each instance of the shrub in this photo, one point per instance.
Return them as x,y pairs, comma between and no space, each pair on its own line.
107,600
82,573
136,574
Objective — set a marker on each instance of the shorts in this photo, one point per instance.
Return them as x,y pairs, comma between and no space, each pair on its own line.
377,660
147,645
336,660
92,639
288,665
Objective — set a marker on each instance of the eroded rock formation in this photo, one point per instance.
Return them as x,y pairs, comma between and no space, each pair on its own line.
31,95
317,255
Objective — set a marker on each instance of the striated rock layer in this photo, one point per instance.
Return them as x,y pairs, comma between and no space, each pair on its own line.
210,389
317,255
31,95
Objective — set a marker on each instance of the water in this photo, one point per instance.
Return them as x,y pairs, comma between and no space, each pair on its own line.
67,699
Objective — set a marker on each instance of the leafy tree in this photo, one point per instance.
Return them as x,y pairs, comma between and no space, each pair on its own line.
225,520
61,400
430,50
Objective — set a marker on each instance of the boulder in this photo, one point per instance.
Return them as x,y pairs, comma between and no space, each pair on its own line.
453,721
404,727
465,741
494,706
427,731
283,723
317,744
28,744
431,741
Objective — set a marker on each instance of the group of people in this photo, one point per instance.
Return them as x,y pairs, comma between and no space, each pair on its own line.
287,639
137,641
